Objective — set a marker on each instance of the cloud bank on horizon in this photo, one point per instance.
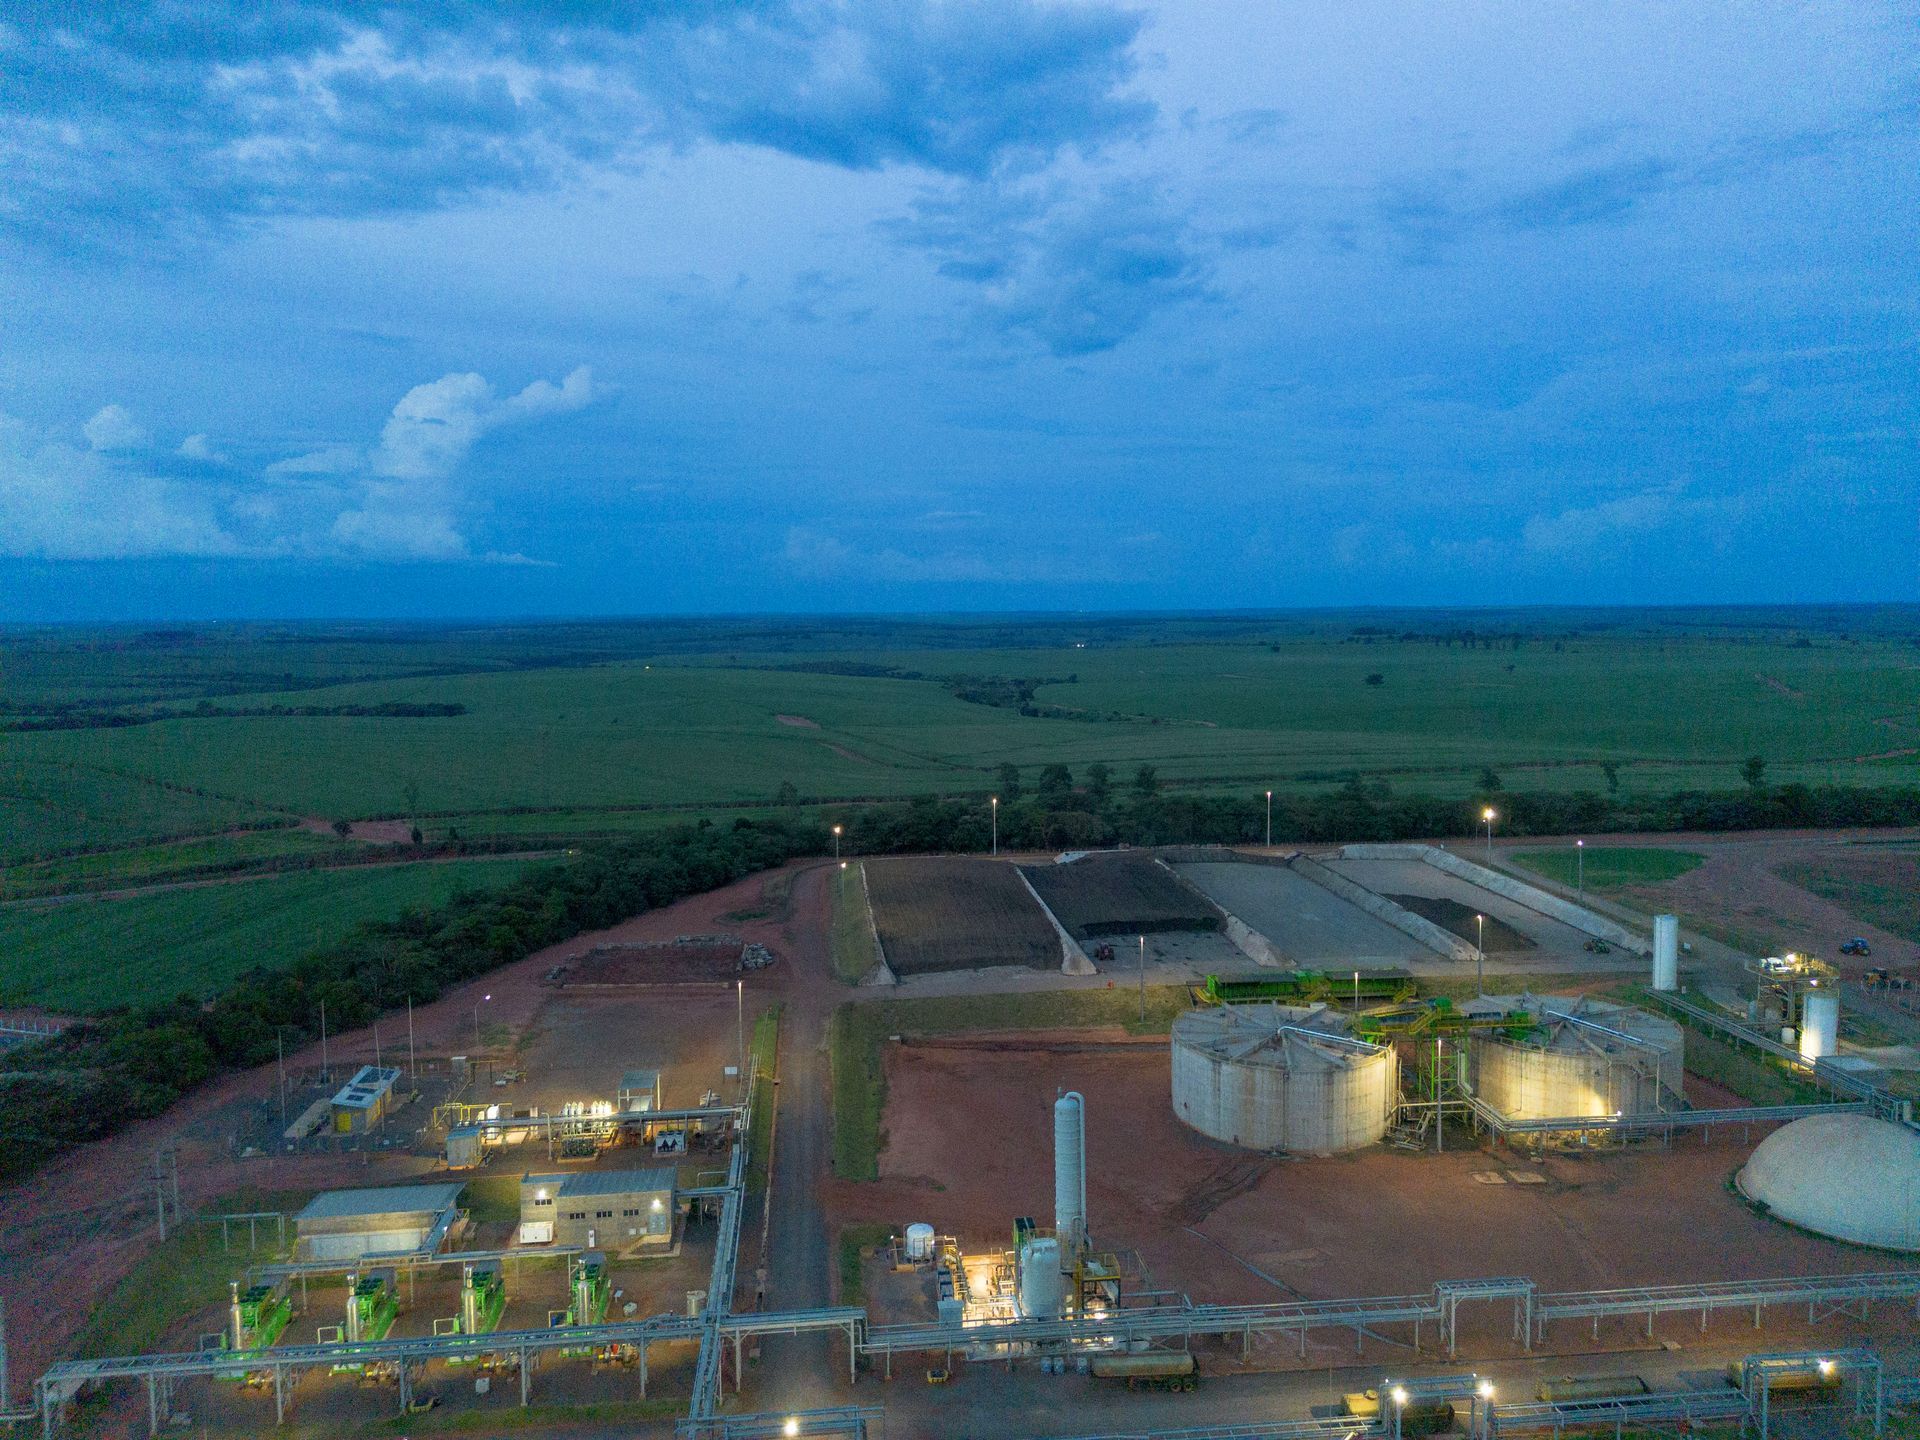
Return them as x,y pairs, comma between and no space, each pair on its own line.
824,304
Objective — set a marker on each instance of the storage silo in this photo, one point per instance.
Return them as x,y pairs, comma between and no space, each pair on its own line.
1281,1077
1820,1025
1666,952
1576,1056
1070,1170
1042,1284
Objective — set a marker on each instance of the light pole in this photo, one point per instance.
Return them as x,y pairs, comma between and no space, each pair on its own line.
836,842
1487,815
1269,819
1143,979
993,804
1480,956
476,1019
740,1025
1580,866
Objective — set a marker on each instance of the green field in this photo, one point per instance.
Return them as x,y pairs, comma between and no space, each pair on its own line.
147,864
86,955
1611,867
581,730
1882,887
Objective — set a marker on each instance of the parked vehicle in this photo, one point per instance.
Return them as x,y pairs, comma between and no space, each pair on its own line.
1856,946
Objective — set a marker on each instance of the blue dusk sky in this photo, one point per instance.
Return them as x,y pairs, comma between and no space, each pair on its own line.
332,309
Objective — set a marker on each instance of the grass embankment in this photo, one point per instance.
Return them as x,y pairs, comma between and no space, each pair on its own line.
852,932
1611,867
1757,1078
1882,889
187,1275
853,1240
857,1032
766,1065
81,956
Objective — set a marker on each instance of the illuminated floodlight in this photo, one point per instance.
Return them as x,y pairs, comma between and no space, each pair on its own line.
1485,1388
657,1205
1826,1367
1399,1394
1487,814
791,1428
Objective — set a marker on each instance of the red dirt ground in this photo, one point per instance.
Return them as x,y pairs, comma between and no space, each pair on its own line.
970,1146
653,965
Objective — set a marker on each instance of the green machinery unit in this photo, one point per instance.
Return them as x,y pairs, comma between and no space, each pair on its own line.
373,1304
591,1290
1304,987
255,1320
483,1298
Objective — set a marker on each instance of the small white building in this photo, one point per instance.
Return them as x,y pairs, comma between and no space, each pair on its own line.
387,1220
361,1102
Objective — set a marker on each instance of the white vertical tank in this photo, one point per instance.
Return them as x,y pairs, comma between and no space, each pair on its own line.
1042,1287
919,1241
1070,1170
1820,1028
1666,952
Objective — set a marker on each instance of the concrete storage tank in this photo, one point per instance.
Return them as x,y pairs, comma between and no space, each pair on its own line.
1574,1056
1820,1028
1043,1286
1281,1077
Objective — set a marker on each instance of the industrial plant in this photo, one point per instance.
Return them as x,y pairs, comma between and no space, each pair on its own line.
595,1232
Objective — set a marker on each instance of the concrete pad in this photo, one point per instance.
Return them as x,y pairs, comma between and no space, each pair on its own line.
1308,924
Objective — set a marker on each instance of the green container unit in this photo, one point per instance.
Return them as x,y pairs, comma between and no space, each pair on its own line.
256,1319
373,1304
592,1290
483,1298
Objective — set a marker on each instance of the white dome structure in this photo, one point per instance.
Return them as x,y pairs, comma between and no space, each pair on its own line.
1848,1176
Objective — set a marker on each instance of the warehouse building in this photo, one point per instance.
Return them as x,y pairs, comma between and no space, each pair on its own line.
363,1100
390,1220
615,1210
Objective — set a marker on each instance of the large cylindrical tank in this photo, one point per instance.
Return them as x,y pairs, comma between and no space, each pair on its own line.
1820,1026
1579,1057
919,1241
1666,952
1277,1077
1070,1169
1043,1288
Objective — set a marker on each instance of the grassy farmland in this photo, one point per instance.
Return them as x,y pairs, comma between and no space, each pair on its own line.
92,954
570,730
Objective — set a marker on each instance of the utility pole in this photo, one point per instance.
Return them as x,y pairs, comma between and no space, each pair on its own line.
993,804
1143,979
280,1060
1480,956
413,1070
1269,819
1580,866
326,1068
740,1029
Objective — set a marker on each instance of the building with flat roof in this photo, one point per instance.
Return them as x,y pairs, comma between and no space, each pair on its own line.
363,1100
620,1211
385,1221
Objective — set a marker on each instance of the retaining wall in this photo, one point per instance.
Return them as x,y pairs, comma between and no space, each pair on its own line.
1073,960
1552,906
1442,942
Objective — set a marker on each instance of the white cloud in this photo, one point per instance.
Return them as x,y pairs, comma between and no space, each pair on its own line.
59,502
436,424
409,507
112,428
327,460
198,447
1582,526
